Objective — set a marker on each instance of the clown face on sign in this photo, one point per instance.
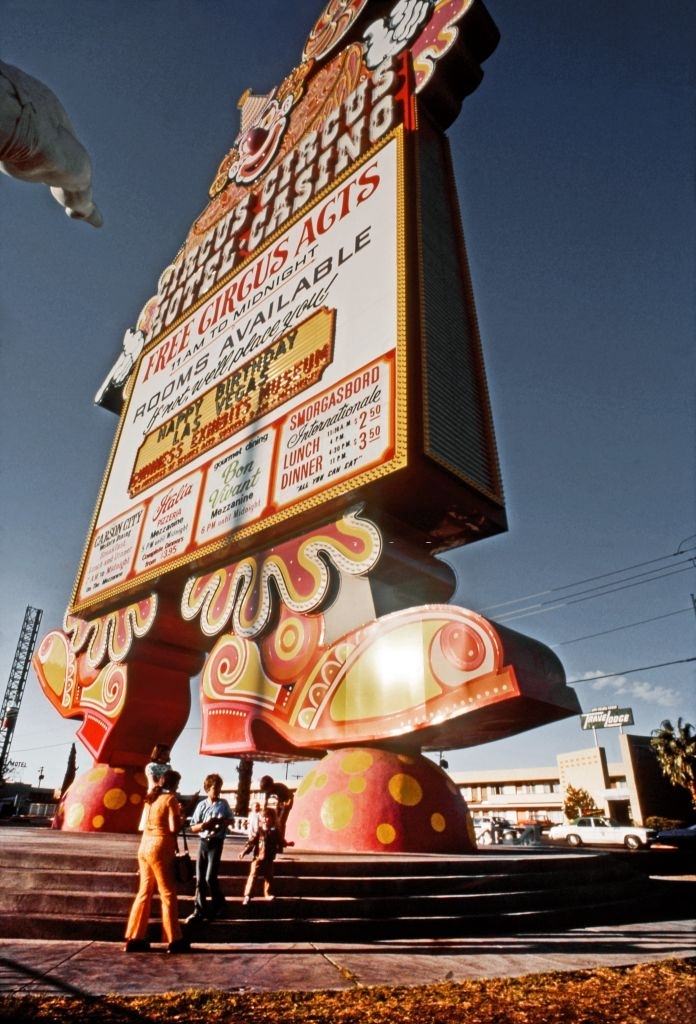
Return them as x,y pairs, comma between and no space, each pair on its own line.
257,145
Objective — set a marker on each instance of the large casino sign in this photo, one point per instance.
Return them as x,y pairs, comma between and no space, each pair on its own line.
297,355
303,422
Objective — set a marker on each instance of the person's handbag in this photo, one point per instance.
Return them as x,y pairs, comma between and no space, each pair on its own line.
183,865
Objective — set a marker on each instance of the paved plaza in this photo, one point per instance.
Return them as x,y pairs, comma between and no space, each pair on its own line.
98,968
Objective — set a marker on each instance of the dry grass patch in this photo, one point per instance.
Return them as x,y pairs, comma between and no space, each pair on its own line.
653,993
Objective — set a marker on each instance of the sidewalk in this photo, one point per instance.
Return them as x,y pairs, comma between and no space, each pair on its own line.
99,968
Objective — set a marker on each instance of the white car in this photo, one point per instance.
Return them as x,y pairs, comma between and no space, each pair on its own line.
603,830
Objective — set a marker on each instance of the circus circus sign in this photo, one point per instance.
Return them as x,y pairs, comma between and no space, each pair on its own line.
279,389
265,386
276,192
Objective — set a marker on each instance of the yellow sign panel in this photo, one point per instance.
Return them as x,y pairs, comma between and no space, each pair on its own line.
283,370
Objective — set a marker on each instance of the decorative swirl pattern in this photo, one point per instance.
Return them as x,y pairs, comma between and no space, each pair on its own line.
439,36
464,649
321,682
56,667
331,27
397,665
107,693
111,636
325,93
224,668
440,671
292,646
298,568
233,672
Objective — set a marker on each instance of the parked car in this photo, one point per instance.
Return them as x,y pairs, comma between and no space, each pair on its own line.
603,830
683,838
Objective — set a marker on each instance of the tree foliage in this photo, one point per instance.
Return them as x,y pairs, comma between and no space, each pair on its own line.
659,993
675,749
579,803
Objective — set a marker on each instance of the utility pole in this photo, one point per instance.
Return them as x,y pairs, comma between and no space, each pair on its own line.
15,687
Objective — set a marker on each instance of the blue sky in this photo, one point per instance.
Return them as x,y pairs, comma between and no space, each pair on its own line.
574,162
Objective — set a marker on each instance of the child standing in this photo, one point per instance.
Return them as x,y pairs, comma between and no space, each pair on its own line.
210,819
265,844
254,820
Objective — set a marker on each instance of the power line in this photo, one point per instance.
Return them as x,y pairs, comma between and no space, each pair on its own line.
574,599
628,671
616,629
589,579
549,606
610,588
651,573
44,746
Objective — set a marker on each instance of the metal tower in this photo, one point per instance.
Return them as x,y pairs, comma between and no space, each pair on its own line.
17,681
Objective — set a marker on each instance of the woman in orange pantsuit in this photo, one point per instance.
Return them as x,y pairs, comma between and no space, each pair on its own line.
156,867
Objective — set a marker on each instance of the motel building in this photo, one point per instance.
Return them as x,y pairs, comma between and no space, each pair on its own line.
630,790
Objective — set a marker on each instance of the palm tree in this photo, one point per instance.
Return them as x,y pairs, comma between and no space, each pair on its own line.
675,749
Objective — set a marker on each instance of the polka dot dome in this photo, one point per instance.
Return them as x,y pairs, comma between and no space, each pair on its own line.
374,801
103,799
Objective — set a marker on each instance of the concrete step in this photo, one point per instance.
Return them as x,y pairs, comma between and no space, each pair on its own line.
45,879
26,878
37,848
258,928
89,903
289,865
91,907
56,885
